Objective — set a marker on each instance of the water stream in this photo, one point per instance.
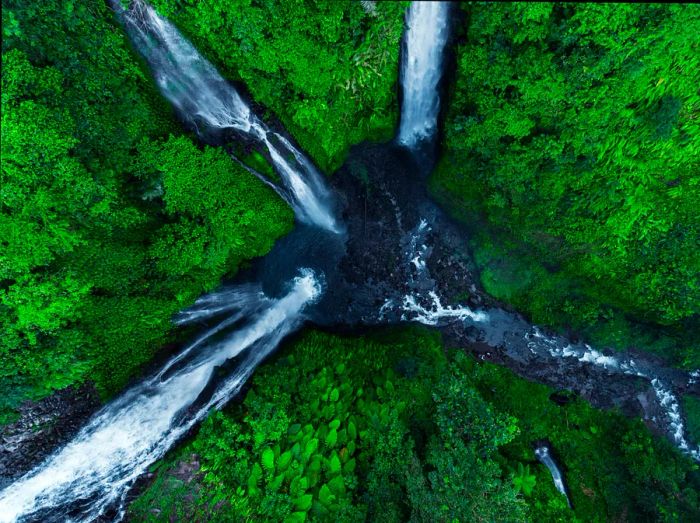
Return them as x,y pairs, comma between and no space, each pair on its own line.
543,454
421,71
94,471
210,104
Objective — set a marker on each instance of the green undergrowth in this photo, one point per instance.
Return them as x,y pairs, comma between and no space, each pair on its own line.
387,427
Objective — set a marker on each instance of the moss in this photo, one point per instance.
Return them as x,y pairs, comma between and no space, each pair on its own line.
691,408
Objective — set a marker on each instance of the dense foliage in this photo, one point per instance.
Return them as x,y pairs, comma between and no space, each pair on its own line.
386,428
572,148
327,70
110,221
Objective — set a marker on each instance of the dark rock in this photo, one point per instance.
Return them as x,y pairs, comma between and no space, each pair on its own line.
43,426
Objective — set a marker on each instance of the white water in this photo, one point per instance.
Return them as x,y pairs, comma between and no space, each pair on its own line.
223,300
426,36
210,103
435,313
542,453
429,309
625,365
97,467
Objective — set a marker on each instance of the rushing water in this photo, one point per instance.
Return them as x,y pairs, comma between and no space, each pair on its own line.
210,104
96,468
542,453
512,334
422,66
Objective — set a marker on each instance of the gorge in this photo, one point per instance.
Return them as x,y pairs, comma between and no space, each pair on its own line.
356,259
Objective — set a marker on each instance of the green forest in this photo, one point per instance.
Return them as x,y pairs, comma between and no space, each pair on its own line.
572,146
569,152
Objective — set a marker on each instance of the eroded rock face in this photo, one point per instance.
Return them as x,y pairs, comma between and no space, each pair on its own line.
42,427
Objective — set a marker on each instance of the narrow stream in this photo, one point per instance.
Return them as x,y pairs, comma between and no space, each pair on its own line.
543,454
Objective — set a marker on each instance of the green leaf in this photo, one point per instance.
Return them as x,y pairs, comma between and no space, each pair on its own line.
523,480
313,471
325,495
276,483
349,467
295,517
337,485
334,464
310,448
284,460
304,502
254,478
268,458
352,431
259,438
332,438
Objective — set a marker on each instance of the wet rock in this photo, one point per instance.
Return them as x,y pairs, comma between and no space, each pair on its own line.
562,398
42,427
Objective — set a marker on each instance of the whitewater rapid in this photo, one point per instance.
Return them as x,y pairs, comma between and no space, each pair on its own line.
94,471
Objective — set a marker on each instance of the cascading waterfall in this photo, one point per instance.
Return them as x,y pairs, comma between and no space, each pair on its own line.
542,453
421,70
210,104
94,471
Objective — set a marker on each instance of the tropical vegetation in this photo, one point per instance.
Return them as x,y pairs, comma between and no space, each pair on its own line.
388,427
569,151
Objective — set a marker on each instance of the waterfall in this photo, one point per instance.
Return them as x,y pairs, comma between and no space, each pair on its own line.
421,70
543,454
94,471
210,104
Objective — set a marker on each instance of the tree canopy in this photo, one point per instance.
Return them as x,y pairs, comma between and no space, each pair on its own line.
571,146
112,219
